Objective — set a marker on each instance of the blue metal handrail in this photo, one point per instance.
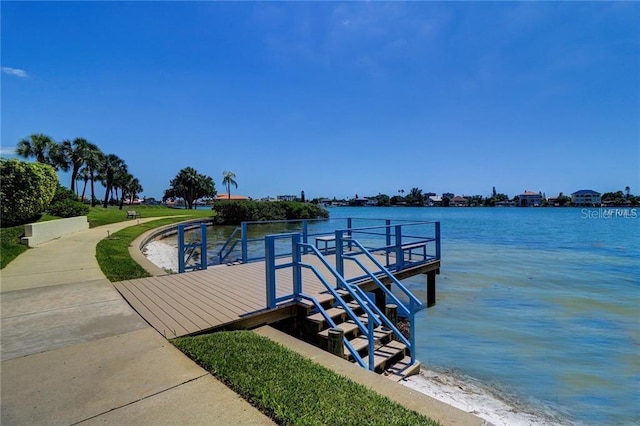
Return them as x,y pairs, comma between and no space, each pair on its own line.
251,247
221,254
384,271
187,249
375,316
298,295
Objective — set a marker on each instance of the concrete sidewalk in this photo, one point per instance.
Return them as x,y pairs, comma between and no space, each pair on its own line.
73,351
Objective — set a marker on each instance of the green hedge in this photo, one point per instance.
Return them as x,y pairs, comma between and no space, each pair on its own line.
235,212
26,189
66,204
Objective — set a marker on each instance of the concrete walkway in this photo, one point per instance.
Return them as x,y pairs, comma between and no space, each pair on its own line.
73,351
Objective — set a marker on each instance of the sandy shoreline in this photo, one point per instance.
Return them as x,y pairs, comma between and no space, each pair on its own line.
163,255
456,392
475,399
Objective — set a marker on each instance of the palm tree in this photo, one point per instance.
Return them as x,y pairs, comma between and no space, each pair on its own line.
93,161
415,196
83,175
132,188
109,169
76,153
39,146
228,179
120,180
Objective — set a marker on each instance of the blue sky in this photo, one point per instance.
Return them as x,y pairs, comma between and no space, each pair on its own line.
335,99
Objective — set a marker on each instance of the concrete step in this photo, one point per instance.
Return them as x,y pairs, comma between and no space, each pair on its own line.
402,369
388,354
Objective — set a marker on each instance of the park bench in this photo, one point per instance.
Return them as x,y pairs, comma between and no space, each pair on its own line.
132,214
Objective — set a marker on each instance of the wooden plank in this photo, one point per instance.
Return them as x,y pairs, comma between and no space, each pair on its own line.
168,325
158,298
332,313
347,327
193,307
215,297
145,312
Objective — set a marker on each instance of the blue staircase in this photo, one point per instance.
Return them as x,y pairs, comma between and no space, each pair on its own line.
370,338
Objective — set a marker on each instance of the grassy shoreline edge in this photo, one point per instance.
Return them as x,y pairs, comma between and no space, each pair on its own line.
288,387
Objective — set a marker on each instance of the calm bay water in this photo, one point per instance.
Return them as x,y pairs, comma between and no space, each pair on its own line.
542,305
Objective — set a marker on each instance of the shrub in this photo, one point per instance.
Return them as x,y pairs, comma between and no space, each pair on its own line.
26,189
235,212
68,208
66,204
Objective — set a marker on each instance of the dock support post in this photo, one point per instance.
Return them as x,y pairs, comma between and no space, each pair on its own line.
431,289
336,342
391,312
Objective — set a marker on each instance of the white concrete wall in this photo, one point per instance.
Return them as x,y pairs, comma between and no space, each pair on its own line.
41,232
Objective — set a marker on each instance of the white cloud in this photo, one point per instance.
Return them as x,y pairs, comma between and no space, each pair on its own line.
15,71
8,150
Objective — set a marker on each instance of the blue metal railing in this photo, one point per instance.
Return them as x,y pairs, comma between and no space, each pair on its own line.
378,235
229,245
187,249
375,316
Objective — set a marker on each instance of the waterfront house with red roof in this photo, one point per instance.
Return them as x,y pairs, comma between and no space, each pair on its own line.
459,201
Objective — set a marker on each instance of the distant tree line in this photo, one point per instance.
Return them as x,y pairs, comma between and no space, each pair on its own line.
417,197
87,164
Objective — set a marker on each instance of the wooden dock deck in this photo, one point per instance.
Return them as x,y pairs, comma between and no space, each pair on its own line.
225,297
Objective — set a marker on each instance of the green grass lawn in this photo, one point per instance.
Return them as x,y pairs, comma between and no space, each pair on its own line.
99,216
113,254
10,246
290,388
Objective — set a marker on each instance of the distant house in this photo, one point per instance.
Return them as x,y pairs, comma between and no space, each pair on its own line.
459,201
530,199
552,201
358,201
434,200
448,195
586,197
